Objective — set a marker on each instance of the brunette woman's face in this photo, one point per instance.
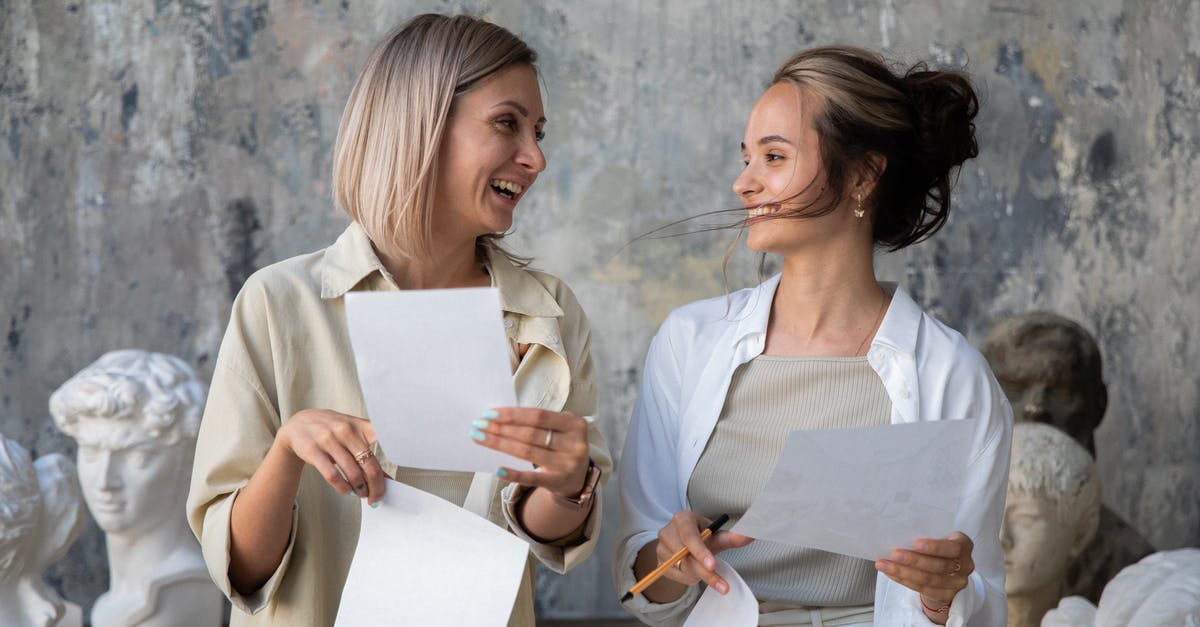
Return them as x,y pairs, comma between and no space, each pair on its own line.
782,174
489,155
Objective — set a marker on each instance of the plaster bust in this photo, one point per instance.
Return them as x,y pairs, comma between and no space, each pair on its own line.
134,415
41,514
1051,515
1051,371
1162,589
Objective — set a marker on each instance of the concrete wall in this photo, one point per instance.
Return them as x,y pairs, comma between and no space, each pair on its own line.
153,153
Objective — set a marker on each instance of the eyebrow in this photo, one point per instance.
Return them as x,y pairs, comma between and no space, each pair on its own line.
520,109
770,139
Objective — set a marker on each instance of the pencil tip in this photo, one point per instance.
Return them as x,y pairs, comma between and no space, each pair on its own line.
628,595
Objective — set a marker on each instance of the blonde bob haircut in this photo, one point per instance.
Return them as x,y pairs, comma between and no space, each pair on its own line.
385,156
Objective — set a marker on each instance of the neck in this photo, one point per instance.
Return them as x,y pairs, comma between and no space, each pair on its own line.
1027,610
450,265
827,304
132,558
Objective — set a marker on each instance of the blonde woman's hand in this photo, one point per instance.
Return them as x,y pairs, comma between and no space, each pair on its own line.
555,442
937,569
339,447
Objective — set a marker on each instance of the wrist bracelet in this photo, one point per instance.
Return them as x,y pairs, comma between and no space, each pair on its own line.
942,610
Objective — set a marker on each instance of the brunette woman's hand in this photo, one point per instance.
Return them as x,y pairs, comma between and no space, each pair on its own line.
339,447
555,442
937,569
701,563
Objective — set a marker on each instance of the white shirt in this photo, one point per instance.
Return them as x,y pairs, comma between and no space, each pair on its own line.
930,373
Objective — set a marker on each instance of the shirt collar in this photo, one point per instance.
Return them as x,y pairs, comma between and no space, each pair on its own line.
898,330
347,262
352,258
520,291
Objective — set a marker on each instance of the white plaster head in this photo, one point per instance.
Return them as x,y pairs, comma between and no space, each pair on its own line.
41,514
20,509
1053,508
134,415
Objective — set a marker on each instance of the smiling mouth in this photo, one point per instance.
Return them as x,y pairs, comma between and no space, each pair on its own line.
763,210
508,189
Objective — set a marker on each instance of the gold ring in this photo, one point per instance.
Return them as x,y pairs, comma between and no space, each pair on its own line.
549,438
957,567
362,456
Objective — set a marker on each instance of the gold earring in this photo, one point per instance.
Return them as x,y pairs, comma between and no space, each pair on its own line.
859,212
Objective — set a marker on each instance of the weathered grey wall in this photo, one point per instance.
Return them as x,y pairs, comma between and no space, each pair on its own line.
155,153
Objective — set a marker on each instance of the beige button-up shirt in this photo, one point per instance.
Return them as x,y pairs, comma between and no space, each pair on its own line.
287,349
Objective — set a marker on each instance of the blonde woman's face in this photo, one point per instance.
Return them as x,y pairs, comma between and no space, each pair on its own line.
489,156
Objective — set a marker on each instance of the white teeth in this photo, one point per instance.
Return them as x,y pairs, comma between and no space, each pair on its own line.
762,210
507,186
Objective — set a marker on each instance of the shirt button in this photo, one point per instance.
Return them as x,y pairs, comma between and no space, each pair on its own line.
905,394
508,324
553,339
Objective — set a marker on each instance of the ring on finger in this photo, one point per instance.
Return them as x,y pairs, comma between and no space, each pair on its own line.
957,567
549,438
362,456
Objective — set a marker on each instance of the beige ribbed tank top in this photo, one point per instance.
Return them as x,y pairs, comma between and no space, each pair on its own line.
768,398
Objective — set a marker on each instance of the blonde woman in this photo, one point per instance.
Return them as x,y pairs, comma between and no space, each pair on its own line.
842,155
437,145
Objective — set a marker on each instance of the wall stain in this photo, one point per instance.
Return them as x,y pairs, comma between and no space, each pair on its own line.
129,106
14,138
14,335
241,223
1102,157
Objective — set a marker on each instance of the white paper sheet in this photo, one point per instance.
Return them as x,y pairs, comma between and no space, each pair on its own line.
421,560
429,362
864,491
736,608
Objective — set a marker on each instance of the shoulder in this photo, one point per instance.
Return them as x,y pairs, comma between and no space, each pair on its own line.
285,281
942,348
557,288
705,321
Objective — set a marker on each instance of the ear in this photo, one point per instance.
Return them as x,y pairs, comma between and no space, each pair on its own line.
867,175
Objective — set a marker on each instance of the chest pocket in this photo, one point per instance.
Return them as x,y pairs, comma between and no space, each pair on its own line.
542,376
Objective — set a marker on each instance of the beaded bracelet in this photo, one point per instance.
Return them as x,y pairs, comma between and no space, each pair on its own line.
942,610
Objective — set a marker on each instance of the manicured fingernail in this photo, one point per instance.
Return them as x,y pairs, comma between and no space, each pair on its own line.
490,414
722,588
710,563
480,423
500,472
477,435
375,505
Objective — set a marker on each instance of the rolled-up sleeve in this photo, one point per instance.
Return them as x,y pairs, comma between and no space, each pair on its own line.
237,430
648,482
565,553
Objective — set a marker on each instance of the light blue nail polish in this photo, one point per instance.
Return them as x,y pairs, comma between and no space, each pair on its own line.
500,472
477,435
480,423
490,414
376,505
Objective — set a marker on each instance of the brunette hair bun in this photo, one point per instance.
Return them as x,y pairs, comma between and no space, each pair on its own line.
921,121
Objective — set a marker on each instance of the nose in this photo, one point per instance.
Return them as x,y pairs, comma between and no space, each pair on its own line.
746,185
1005,537
107,474
1034,408
530,156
